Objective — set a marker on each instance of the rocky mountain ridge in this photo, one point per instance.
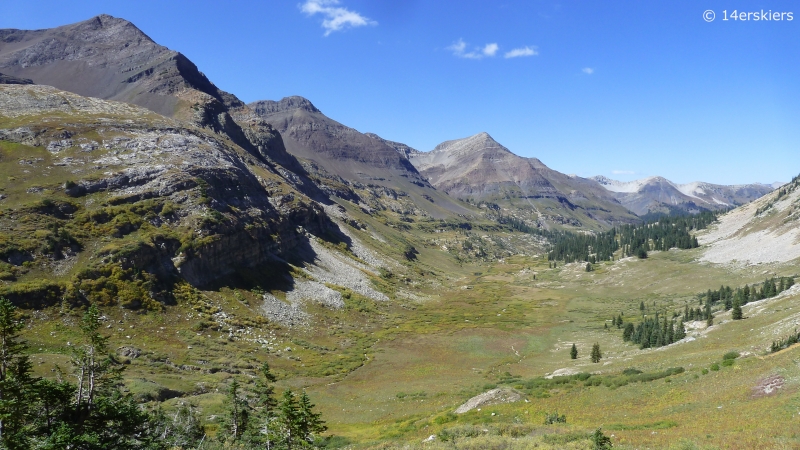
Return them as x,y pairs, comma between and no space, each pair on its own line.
659,195
478,168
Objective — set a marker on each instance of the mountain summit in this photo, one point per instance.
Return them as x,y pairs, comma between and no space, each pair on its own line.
478,168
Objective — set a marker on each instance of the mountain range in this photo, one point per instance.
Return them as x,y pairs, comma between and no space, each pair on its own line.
657,195
110,58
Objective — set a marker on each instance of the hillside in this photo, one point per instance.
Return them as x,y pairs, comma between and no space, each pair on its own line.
764,231
657,195
478,168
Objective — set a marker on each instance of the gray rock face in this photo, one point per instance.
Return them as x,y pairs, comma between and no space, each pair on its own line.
309,134
479,168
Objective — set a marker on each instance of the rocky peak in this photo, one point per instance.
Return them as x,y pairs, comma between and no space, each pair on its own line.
263,107
474,144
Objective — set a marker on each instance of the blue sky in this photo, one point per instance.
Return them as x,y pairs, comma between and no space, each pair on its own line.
622,89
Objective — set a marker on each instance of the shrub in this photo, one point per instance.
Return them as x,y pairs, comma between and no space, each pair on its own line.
727,362
714,367
551,418
730,355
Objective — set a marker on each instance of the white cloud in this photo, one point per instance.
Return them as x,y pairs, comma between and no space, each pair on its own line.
459,48
587,70
336,18
623,172
523,51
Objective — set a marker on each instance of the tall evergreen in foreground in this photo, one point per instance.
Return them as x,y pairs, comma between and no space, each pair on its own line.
596,355
573,352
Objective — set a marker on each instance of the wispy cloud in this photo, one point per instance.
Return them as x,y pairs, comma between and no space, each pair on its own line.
587,70
523,51
623,172
336,18
459,48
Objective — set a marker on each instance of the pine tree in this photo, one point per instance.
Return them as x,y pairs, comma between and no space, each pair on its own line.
596,355
288,422
680,332
16,382
627,333
709,315
573,352
736,313
265,413
237,416
310,423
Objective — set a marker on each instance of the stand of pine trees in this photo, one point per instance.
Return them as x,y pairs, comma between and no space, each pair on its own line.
92,413
663,234
654,332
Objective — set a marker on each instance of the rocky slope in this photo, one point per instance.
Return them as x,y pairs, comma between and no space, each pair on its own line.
110,58
766,230
659,195
112,187
363,168
480,169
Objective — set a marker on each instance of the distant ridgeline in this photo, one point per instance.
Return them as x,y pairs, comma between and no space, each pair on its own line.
657,331
663,234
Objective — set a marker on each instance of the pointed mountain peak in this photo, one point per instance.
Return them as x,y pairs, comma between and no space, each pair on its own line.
474,143
263,107
110,28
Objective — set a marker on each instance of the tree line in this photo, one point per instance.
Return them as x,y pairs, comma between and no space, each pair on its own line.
657,331
92,412
634,240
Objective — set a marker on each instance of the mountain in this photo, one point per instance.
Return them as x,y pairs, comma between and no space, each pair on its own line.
766,230
659,195
353,165
110,58
399,147
120,187
478,169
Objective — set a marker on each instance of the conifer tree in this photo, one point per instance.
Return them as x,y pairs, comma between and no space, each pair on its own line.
16,382
736,312
573,352
709,316
289,421
237,416
310,423
596,355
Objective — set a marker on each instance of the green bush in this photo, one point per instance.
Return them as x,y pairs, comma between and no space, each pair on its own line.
714,367
727,362
730,356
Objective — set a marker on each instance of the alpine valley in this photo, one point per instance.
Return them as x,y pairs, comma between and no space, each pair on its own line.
462,297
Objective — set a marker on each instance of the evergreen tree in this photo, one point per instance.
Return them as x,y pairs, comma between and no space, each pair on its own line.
627,333
680,332
600,441
708,315
573,352
596,355
288,423
16,382
736,313
265,414
310,423
236,424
